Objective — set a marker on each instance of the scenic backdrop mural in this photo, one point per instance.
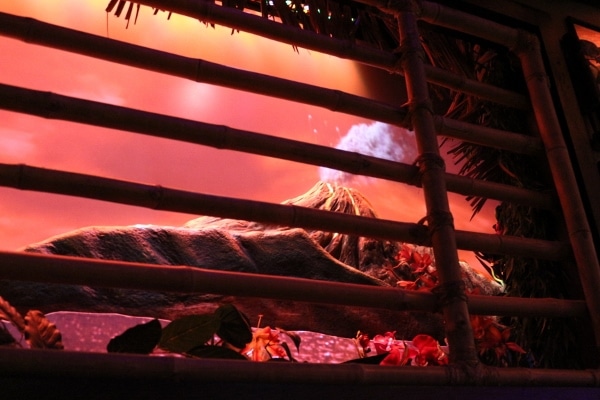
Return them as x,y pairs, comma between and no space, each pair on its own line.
27,217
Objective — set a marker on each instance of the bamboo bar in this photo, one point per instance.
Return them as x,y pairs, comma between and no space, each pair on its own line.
459,333
485,136
33,31
236,19
130,368
161,198
54,106
191,280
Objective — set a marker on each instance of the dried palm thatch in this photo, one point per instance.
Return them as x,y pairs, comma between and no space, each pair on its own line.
338,19
523,277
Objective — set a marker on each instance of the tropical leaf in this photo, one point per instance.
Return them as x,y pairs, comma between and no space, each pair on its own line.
140,339
41,333
9,313
234,326
292,335
288,352
188,332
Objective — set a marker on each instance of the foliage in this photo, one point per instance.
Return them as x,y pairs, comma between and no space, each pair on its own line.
140,339
341,20
492,339
523,277
541,279
266,345
226,333
493,342
423,350
420,264
36,329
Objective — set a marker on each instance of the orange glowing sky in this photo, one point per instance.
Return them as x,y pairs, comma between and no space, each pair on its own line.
27,217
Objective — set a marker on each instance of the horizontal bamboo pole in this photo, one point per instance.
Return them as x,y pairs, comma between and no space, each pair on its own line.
33,31
50,105
490,137
191,280
211,13
161,198
132,369
440,15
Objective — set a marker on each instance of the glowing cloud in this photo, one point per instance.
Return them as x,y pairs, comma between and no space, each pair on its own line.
378,140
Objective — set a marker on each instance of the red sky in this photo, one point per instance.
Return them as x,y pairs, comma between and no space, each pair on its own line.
27,217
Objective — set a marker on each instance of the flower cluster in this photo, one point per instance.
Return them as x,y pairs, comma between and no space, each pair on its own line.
492,340
423,350
420,265
265,345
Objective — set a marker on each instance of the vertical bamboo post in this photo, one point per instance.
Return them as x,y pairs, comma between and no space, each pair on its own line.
451,289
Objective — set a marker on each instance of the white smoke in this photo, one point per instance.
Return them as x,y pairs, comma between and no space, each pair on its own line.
378,140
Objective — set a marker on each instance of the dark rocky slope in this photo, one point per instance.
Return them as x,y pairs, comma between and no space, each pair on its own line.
242,246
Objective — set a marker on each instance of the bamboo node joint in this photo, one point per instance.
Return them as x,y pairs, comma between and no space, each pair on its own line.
449,292
428,161
439,219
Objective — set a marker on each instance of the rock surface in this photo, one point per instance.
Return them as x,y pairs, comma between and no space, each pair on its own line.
242,246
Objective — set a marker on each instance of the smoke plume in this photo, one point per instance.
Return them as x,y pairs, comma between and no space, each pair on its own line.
378,140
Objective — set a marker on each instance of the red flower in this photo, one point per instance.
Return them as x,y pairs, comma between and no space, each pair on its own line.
265,345
405,254
490,336
429,350
420,262
398,356
424,350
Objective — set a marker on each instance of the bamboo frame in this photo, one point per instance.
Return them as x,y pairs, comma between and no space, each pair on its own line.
54,106
162,198
191,280
526,46
77,365
32,31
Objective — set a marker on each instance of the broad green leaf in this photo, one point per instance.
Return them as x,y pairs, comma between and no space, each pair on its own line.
235,326
215,352
140,339
188,332
292,335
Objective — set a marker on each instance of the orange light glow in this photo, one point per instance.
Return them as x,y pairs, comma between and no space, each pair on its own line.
27,217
